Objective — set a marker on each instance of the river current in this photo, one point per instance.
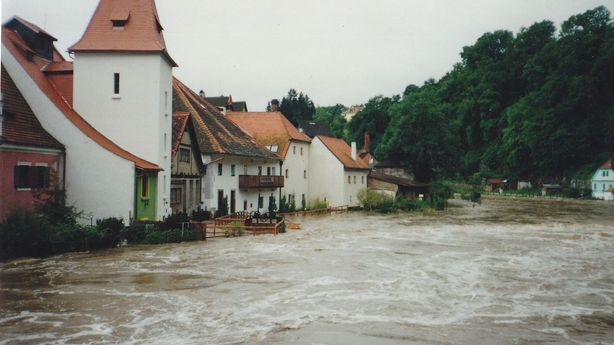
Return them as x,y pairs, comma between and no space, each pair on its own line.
506,272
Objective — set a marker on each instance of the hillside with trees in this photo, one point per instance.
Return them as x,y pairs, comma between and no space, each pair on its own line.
538,105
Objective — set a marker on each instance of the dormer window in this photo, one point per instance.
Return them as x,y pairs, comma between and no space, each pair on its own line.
119,24
119,19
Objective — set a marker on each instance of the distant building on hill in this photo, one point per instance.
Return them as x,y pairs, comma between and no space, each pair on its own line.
351,112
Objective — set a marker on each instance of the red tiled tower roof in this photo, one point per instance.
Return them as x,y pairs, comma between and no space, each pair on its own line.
343,152
20,126
140,29
269,128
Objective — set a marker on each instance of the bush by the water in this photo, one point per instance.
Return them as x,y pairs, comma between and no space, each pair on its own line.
376,201
52,228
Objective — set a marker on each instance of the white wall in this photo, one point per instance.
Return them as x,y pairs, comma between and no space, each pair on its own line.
326,175
212,182
296,164
136,119
600,183
98,182
358,181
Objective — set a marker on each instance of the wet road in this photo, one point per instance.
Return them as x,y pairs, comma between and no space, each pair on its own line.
507,272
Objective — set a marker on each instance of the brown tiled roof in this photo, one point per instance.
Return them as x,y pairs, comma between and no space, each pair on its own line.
343,152
20,126
34,28
219,101
142,31
269,128
608,165
314,129
180,121
34,68
400,181
214,132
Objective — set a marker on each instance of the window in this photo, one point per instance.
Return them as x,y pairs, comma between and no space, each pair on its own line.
304,173
273,171
301,151
273,148
175,195
244,169
27,176
268,171
349,180
354,179
116,83
286,173
145,186
184,155
232,170
259,171
260,201
362,180
294,150
219,169
595,186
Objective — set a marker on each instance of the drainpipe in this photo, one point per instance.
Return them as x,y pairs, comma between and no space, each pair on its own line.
281,164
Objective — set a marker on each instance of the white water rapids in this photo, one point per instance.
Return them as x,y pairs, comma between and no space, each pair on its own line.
507,272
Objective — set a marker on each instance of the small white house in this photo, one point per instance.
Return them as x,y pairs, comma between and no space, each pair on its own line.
336,173
602,182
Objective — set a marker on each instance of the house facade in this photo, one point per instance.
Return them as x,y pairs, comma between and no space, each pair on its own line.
602,183
102,177
238,171
273,131
32,159
187,168
336,173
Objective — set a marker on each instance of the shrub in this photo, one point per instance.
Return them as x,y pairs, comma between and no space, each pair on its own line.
438,195
303,203
235,229
319,204
293,203
200,215
173,221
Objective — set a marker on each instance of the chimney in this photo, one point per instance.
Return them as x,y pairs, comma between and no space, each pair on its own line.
274,105
202,94
353,150
367,144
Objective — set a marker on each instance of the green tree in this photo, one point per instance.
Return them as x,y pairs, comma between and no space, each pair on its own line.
374,118
332,118
297,106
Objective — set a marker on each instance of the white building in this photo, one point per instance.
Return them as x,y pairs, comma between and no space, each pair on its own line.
274,131
236,167
122,84
603,181
336,174
99,173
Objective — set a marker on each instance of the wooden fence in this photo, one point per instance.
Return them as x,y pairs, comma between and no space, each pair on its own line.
318,212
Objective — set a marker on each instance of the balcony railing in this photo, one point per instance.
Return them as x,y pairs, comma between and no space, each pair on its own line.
255,181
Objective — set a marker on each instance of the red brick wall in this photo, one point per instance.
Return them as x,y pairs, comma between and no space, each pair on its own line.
10,197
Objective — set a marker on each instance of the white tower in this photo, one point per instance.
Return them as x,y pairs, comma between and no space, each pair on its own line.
123,84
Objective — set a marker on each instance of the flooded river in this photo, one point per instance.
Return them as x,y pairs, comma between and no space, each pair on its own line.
507,272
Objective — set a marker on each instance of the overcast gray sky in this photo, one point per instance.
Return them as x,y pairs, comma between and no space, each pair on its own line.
336,51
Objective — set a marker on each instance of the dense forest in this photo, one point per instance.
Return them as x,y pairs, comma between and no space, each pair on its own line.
538,105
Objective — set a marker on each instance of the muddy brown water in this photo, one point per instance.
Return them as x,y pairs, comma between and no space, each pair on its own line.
506,272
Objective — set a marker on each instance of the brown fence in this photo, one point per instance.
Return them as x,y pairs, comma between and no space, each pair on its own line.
318,212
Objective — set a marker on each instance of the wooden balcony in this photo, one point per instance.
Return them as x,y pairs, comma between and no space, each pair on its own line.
255,181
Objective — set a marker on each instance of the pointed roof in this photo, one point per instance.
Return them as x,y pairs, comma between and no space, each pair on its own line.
140,29
313,129
215,133
269,128
20,126
180,122
343,152
55,91
607,165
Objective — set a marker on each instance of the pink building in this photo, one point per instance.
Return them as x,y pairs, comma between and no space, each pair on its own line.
31,160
